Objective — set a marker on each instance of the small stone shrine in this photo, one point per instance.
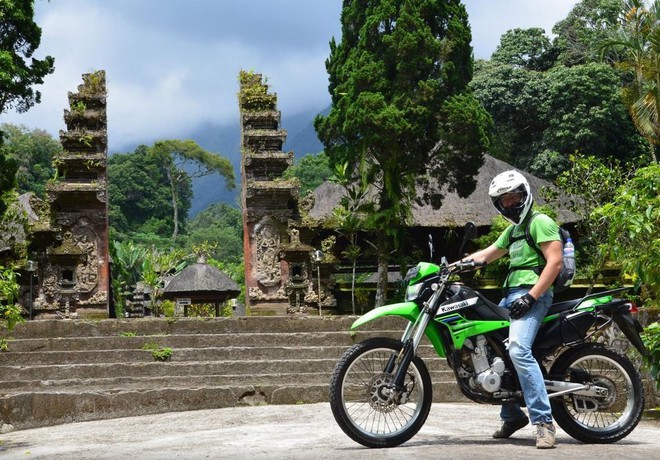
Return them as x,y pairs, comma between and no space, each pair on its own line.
70,240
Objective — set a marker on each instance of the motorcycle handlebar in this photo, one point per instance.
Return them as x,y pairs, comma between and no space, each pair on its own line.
465,265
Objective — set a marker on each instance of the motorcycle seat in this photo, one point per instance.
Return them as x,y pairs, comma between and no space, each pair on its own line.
562,306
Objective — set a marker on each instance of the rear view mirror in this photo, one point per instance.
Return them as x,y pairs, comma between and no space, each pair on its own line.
471,233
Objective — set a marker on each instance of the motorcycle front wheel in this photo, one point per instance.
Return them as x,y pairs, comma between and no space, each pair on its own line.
605,418
363,405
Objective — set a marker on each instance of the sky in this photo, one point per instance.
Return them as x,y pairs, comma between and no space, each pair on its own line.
172,65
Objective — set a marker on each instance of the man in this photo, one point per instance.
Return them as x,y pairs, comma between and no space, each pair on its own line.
528,296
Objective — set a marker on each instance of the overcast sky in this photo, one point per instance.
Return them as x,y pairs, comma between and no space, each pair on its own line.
172,65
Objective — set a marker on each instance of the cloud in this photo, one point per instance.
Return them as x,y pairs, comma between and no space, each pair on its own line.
172,65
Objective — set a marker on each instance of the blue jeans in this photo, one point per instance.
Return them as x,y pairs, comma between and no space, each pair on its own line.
522,333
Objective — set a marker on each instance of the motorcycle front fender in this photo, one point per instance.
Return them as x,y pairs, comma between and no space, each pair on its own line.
408,310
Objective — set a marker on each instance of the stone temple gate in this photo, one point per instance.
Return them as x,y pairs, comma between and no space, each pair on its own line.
280,274
70,231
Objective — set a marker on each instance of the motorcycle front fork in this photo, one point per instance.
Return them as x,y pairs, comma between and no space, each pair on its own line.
411,339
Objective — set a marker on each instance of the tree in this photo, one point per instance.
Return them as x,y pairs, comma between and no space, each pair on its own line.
401,114
527,48
312,170
139,194
33,152
19,38
638,36
579,34
543,117
588,183
633,220
151,190
172,155
583,112
221,226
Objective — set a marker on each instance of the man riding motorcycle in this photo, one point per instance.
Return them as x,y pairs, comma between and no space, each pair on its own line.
528,297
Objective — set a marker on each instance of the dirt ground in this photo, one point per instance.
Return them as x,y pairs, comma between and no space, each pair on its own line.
453,431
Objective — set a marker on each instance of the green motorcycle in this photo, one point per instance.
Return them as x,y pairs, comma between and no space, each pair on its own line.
381,390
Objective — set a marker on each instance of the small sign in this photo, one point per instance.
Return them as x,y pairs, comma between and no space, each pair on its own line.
183,302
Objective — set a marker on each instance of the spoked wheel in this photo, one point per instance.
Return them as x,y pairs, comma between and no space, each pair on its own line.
366,408
605,418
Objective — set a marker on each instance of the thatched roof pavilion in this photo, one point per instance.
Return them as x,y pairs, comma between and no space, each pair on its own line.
201,283
455,211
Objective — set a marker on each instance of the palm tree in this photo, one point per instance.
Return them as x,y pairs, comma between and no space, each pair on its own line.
638,40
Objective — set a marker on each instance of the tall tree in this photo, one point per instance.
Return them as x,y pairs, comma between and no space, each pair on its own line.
542,117
527,48
174,154
401,113
587,24
638,36
19,38
151,189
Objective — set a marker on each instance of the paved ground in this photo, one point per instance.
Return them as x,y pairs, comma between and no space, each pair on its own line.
453,431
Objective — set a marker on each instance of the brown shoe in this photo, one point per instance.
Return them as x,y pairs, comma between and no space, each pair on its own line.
545,436
508,428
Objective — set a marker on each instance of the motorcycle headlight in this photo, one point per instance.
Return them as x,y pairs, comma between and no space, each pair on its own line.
412,292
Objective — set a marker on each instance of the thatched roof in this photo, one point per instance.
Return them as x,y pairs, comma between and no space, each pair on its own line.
201,281
455,211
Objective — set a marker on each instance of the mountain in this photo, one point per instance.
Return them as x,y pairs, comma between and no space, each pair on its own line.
226,139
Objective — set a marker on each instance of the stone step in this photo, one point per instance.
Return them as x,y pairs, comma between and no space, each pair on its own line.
160,326
59,371
96,355
195,340
168,368
36,409
116,384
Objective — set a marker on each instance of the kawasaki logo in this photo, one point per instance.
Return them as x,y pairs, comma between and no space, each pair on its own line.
457,305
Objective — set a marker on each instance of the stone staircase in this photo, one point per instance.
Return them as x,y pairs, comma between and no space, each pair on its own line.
62,371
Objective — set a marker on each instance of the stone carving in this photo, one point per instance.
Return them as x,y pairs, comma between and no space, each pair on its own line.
254,293
268,263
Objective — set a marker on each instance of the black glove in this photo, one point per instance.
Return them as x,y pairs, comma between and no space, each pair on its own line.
520,306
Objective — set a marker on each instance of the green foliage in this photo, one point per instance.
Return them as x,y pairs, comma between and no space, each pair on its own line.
651,338
638,38
10,312
140,195
585,27
254,96
312,170
159,353
633,220
526,48
586,184
172,155
151,189
221,225
33,151
398,83
19,70
543,117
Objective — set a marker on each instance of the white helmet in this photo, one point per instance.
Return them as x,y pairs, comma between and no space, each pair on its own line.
511,182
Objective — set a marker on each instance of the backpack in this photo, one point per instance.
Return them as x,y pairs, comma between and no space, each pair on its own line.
566,274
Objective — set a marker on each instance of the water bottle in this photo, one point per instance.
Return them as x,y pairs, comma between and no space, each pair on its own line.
569,249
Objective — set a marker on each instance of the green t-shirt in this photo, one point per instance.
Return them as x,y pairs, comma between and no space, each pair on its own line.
542,229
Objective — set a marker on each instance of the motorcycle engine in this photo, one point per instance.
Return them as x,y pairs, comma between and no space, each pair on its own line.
487,374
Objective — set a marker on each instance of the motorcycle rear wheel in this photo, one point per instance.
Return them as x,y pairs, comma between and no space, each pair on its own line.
359,395
604,419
